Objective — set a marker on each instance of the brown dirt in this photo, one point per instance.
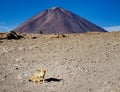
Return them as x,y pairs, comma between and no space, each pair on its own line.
85,62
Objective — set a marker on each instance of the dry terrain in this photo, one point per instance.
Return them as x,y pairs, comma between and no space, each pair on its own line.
81,62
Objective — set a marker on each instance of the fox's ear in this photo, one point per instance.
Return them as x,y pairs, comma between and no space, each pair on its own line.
43,69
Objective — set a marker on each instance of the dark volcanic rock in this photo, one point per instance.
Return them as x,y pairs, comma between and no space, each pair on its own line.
13,35
59,21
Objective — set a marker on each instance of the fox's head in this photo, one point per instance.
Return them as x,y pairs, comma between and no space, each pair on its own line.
43,70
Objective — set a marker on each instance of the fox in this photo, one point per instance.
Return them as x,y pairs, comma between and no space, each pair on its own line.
38,76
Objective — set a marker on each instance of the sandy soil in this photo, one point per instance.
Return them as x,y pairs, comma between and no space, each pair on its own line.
85,63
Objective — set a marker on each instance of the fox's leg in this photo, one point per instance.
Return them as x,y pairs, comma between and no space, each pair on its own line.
38,80
43,80
33,79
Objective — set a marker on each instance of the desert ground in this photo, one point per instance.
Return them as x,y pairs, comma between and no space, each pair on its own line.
87,62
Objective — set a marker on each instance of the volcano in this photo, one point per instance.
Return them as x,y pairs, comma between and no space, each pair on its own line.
58,21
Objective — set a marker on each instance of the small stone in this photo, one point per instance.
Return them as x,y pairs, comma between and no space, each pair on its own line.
17,68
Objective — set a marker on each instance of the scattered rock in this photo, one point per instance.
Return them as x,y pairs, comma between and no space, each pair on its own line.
81,69
5,76
13,35
17,68
2,36
60,36
1,41
20,76
33,37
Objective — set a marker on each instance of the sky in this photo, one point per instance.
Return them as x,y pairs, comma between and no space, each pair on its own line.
104,13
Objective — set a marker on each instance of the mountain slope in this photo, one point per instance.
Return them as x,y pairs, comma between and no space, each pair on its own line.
58,20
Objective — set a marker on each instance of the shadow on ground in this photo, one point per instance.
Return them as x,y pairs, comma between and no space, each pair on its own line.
53,80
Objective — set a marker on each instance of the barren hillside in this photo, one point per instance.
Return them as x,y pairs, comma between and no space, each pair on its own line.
87,62
57,20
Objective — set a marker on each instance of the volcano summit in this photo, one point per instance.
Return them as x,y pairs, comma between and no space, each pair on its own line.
58,21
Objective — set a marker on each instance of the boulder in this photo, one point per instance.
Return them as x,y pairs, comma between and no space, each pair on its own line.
13,35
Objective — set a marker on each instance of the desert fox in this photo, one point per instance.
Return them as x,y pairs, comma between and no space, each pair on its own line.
38,76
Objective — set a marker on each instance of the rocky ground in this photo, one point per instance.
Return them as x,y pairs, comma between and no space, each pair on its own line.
82,63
